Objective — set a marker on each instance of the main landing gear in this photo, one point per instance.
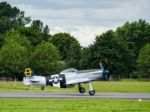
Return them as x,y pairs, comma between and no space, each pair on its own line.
82,89
42,88
91,90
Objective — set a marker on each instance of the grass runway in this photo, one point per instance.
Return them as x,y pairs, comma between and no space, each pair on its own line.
77,105
73,105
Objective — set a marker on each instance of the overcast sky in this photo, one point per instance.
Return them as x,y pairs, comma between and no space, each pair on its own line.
84,19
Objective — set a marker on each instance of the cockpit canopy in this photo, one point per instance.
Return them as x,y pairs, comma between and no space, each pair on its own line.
70,70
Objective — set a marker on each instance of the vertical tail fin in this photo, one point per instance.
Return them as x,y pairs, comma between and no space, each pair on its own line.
28,72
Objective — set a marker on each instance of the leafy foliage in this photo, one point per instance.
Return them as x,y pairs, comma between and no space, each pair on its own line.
14,54
136,35
45,59
69,48
13,58
111,51
37,25
46,35
14,36
143,61
124,51
33,35
11,17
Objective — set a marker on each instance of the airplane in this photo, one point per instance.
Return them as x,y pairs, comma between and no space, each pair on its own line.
68,78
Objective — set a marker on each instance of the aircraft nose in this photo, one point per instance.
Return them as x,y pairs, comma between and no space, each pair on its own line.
106,74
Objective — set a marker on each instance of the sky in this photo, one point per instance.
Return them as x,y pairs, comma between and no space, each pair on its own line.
84,19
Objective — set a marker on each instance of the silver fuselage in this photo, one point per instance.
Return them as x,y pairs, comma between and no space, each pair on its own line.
65,79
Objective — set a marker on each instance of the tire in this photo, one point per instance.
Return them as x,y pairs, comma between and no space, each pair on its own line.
92,92
42,88
81,89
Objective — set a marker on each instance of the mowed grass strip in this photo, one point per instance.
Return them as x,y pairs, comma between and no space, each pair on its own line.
73,105
100,86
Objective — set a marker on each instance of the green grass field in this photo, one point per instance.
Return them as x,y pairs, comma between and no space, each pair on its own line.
73,105
118,86
77,105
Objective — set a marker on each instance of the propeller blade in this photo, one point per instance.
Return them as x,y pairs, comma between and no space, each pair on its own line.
110,78
101,66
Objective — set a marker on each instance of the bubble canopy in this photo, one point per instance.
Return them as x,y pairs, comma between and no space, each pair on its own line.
71,70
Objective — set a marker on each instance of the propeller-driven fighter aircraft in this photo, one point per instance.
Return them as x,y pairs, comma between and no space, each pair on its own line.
68,78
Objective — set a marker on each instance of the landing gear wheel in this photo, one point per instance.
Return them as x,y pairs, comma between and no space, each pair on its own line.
81,89
42,88
92,92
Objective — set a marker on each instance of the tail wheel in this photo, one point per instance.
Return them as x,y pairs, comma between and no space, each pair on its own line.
42,88
81,89
92,92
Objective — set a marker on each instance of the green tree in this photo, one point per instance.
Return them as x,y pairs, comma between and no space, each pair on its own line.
46,30
143,61
13,59
45,59
11,17
74,56
45,33
32,35
37,25
1,41
113,53
14,54
86,58
69,48
15,36
136,34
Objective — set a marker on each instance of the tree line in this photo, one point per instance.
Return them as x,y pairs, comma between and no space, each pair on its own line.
125,51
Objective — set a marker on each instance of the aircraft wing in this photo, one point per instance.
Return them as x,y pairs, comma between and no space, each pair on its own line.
75,81
34,81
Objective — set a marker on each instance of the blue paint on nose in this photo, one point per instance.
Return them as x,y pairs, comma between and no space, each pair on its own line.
106,74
